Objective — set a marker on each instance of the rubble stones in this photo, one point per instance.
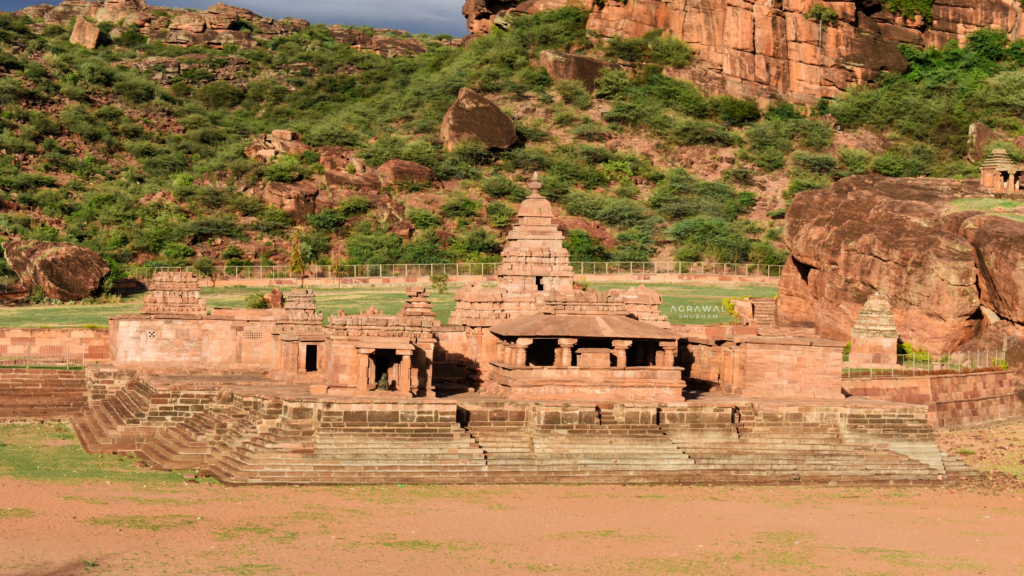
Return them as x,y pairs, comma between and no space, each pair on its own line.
266,146
473,117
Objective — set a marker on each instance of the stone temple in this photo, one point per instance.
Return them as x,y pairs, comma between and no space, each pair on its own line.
532,380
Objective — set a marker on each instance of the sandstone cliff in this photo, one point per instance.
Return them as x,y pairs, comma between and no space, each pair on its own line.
949,271
766,49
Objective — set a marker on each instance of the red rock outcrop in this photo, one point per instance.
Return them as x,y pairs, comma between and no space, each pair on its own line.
85,34
397,171
474,117
768,50
561,66
266,146
64,271
999,245
298,199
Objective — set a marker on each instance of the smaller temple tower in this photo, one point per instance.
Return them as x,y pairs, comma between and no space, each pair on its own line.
1000,174
174,294
874,337
535,260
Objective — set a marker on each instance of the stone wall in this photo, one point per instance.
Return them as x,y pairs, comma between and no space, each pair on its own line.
39,394
953,400
93,342
182,344
762,367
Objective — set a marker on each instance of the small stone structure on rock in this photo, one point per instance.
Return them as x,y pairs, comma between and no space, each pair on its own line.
1000,174
874,340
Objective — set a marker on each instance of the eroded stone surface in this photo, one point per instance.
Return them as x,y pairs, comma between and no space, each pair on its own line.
64,271
474,117
768,50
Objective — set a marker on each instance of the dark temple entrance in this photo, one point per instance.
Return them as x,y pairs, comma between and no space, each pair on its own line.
311,357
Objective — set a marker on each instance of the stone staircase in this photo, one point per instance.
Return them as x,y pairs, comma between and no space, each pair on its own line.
602,453
957,468
252,440
300,452
117,423
777,455
764,312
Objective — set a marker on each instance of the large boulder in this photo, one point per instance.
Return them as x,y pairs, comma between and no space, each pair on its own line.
85,34
562,66
64,271
999,245
473,117
870,233
397,171
298,199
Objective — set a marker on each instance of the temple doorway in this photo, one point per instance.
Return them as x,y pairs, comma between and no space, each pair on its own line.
311,357
384,365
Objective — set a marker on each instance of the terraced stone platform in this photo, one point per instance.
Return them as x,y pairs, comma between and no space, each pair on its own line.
259,433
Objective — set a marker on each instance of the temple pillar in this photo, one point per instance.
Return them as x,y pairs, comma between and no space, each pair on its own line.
405,372
621,348
364,376
667,355
564,357
521,345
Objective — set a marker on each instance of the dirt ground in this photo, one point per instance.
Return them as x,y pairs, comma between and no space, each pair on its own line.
66,512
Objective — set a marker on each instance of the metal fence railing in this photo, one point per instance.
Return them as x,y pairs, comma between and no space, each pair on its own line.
42,355
258,272
902,365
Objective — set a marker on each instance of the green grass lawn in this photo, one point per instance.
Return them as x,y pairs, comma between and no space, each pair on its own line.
683,304
50,452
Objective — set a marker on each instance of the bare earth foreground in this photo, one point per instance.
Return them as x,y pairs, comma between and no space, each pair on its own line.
65,512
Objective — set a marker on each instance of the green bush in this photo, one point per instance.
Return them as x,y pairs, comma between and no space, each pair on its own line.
854,160
573,92
680,195
134,90
583,247
816,163
422,218
502,187
500,214
702,237
219,94
203,267
460,206
735,111
254,301
177,251
801,180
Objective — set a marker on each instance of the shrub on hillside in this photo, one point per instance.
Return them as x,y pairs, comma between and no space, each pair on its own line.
219,94
573,92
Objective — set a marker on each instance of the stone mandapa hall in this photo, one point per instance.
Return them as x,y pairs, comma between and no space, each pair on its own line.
533,381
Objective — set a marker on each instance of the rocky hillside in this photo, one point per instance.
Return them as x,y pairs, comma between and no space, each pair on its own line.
769,50
162,136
